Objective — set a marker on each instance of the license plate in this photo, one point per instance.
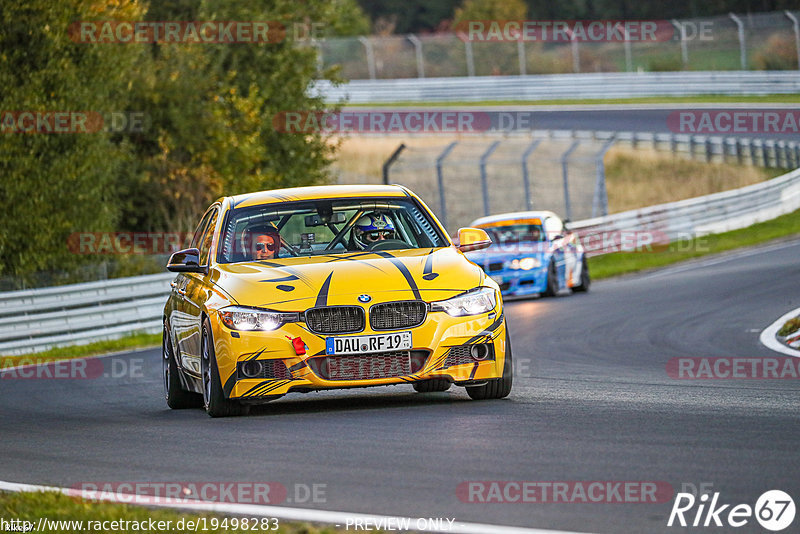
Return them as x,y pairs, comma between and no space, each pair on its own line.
373,343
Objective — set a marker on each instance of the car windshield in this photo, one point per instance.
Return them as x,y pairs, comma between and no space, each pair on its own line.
309,228
516,233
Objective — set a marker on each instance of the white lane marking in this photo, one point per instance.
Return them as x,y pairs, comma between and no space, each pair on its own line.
725,256
32,356
767,337
281,512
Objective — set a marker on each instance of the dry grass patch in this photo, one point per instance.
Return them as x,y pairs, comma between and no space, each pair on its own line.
636,178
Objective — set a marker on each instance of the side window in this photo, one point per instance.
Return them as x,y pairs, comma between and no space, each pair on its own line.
199,230
208,237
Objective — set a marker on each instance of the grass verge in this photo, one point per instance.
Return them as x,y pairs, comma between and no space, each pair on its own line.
133,341
618,263
58,507
699,99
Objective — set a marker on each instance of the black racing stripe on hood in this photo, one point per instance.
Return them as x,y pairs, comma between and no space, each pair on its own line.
287,278
427,272
322,296
404,270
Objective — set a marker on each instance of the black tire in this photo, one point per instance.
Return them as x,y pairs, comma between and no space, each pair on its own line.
498,387
431,385
586,280
214,400
552,280
177,398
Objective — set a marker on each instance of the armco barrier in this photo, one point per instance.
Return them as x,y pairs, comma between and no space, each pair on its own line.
36,319
561,86
33,320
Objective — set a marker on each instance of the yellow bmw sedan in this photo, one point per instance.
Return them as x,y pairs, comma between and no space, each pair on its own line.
329,287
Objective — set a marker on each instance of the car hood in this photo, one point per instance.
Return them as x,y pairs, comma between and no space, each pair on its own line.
295,284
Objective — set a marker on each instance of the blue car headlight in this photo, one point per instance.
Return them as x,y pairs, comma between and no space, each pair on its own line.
525,264
473,302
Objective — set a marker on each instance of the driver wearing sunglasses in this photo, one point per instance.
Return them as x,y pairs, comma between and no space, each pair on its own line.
372,228
264,243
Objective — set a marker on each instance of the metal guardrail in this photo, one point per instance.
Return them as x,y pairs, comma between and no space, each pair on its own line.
33,320
561,86
709,214
36,319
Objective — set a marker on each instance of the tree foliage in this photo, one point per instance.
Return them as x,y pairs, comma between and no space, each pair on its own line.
208,112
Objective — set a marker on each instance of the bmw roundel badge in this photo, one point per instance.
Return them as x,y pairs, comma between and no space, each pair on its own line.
364,298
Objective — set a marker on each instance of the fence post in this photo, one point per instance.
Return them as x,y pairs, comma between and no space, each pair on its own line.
525,179
709,155
684,46
765,153
600,199
320,64
468,53
753,152
742,45
523,63
389,162
484,181
626,43
418,53
370,56
440,180
796,28
564,173
576,55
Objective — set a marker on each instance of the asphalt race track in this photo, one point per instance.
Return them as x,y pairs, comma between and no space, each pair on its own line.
591,401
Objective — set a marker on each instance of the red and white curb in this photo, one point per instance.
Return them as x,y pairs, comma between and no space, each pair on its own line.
768,338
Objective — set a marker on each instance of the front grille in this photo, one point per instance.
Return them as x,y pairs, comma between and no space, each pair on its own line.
494,267
368,366
335,319
269,369
394,315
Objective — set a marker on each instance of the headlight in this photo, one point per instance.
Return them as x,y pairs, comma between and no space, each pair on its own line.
526,264
241,318
472,302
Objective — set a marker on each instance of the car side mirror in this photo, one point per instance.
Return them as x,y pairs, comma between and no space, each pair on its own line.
186,261
472,239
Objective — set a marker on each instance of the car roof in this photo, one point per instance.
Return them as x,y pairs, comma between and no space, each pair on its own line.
316,192
512,217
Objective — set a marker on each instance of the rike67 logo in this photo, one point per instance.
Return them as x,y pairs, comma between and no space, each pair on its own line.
774,510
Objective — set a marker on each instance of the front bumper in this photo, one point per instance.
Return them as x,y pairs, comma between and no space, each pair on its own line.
434,338
519,282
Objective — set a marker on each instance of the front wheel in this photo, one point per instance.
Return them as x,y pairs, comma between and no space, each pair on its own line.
214,400
177,397
552,280
499,387
586,281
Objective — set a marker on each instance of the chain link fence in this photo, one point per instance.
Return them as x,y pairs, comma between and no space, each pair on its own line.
558,170
756,41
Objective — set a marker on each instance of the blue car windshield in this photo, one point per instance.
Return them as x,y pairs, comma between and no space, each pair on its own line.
322,227
516,233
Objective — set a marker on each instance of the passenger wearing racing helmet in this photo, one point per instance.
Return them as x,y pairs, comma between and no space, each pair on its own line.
371,228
